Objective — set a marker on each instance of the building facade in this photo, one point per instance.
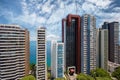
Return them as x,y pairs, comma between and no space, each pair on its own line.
14,52
113,30
57,59
41,72
112,66
88,43
102,49
71,36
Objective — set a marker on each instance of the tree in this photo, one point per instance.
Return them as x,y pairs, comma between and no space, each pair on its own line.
102,78
116,73
82,76
48,75
33,69
29,77
32,66
99,72
60,79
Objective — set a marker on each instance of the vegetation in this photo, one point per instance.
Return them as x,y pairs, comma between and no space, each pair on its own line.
102,78
32,66
116,73
33,69
60,79
29,77
97,74
100,74
82,76
48,75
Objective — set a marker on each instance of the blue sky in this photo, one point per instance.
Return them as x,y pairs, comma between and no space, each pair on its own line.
32,14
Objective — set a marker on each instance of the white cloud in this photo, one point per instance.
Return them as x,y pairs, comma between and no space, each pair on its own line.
53,37
57,16
40,20
71,8
101,3
88,7
46,7
116,9
28,17
62,5
24,7
31,18
32,37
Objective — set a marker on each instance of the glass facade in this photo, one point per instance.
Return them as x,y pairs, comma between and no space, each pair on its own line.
113,30
102,45
72,41
57,59
70,44
88,43
60,63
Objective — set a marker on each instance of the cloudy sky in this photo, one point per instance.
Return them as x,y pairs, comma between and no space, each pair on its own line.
32,14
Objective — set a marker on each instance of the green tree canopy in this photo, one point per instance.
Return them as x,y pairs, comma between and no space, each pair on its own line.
82,76
99,72
60,79
103,78
29,77
116,73
48,75
32,66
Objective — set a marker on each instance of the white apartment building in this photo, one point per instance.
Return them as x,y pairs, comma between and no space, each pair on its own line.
41,56
57,59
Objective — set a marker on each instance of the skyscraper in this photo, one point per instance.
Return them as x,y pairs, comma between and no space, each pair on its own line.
14,52
41,71
113,30
71,34
57,59
102,48
88,43
27,52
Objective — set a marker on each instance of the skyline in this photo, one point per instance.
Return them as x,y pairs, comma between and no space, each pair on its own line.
42,41
31,14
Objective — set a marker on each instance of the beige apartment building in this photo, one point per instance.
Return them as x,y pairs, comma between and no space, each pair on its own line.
14,52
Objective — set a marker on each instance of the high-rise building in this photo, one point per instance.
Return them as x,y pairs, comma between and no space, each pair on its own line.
71,36
88,43
102,48
113,30
14,52
105,25
57,59
41,71
27,52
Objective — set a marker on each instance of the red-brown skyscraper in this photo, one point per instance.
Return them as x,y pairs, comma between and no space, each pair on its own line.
71,33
